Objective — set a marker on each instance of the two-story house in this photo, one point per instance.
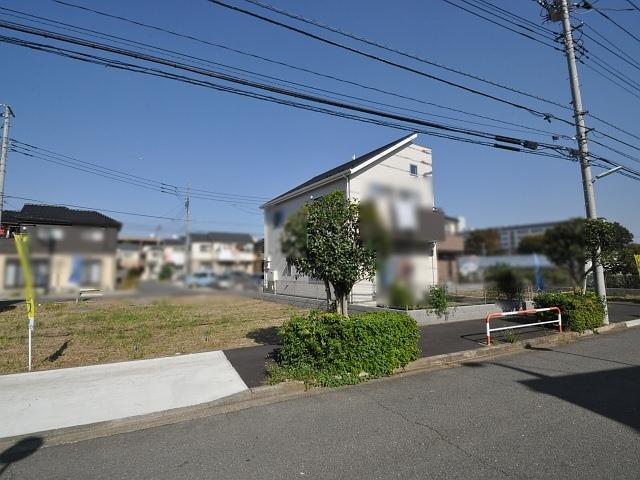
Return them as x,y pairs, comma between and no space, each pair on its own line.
222,252
398,179
69,249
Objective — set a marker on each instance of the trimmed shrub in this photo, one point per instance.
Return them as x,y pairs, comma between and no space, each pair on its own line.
329,349
579,312
401,296
437,301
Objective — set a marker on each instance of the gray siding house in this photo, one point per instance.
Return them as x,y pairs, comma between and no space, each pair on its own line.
69,249
398,179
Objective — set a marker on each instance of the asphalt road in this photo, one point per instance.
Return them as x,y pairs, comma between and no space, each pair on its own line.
568,412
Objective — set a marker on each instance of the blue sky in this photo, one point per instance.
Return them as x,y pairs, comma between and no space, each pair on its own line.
181,134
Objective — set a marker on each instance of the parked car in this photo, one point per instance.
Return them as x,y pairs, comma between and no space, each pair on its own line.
201,279
223,282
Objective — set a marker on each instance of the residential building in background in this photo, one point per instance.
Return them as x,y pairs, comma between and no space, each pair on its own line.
222,252
398,180
70,249
510,236
450,249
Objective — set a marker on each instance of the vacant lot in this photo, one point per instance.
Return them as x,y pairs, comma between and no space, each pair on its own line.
69,335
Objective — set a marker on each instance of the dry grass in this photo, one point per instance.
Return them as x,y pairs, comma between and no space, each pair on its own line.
69,335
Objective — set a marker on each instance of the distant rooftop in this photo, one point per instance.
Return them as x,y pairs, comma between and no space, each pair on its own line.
222,237
55,215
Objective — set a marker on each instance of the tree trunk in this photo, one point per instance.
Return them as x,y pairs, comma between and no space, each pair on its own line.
341,304
327,289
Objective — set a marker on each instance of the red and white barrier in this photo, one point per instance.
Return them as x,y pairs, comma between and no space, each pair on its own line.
522,312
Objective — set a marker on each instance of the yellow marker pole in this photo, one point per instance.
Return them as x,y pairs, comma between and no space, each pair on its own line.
637,257
22,246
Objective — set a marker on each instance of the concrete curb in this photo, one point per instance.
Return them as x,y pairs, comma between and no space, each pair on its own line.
270,394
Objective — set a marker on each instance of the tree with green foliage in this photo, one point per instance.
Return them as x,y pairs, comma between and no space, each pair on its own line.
565,247
322,240
532,244
483,242
574,242
606,242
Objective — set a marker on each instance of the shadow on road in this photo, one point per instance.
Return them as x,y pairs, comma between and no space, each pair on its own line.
614,394
19,451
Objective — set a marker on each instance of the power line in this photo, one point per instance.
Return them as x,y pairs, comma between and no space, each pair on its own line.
120,212
626,58
232,79
546,116
398,51
342,80
530,37
119,175
365,40
633,5
156,72
304,87
589,6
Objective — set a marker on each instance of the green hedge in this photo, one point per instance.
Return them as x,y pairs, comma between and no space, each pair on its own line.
579,312
329,349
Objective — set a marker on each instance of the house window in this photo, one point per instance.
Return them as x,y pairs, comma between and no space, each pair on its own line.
205,247
413,169
91,273
278,217
13,277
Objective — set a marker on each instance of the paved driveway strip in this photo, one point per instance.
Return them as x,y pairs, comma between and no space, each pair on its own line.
37,401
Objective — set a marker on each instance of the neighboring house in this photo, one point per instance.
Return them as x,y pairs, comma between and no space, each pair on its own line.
450,249
144,254
397,178
69,249
258,249
174,252
222,252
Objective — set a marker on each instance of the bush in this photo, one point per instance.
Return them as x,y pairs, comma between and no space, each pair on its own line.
506,282
166,272
579,312
437,301
401,296
329,349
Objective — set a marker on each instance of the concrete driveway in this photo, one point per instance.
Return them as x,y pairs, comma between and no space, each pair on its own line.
38,401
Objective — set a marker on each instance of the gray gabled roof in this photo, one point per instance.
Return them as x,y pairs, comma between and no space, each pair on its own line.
222,237
341,168
55,215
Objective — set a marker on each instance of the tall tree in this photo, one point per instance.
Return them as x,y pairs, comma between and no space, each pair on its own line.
607,241
566,248
532,244
571,244
322,240
483,242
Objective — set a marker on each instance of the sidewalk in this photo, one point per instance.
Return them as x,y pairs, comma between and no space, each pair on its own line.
38,401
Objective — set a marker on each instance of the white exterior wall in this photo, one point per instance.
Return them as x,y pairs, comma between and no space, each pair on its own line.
277,263
393,173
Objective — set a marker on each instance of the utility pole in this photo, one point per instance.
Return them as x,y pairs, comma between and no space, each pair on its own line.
4,150
187,228
560,11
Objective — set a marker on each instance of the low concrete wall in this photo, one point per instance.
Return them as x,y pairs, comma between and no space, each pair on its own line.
457,314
